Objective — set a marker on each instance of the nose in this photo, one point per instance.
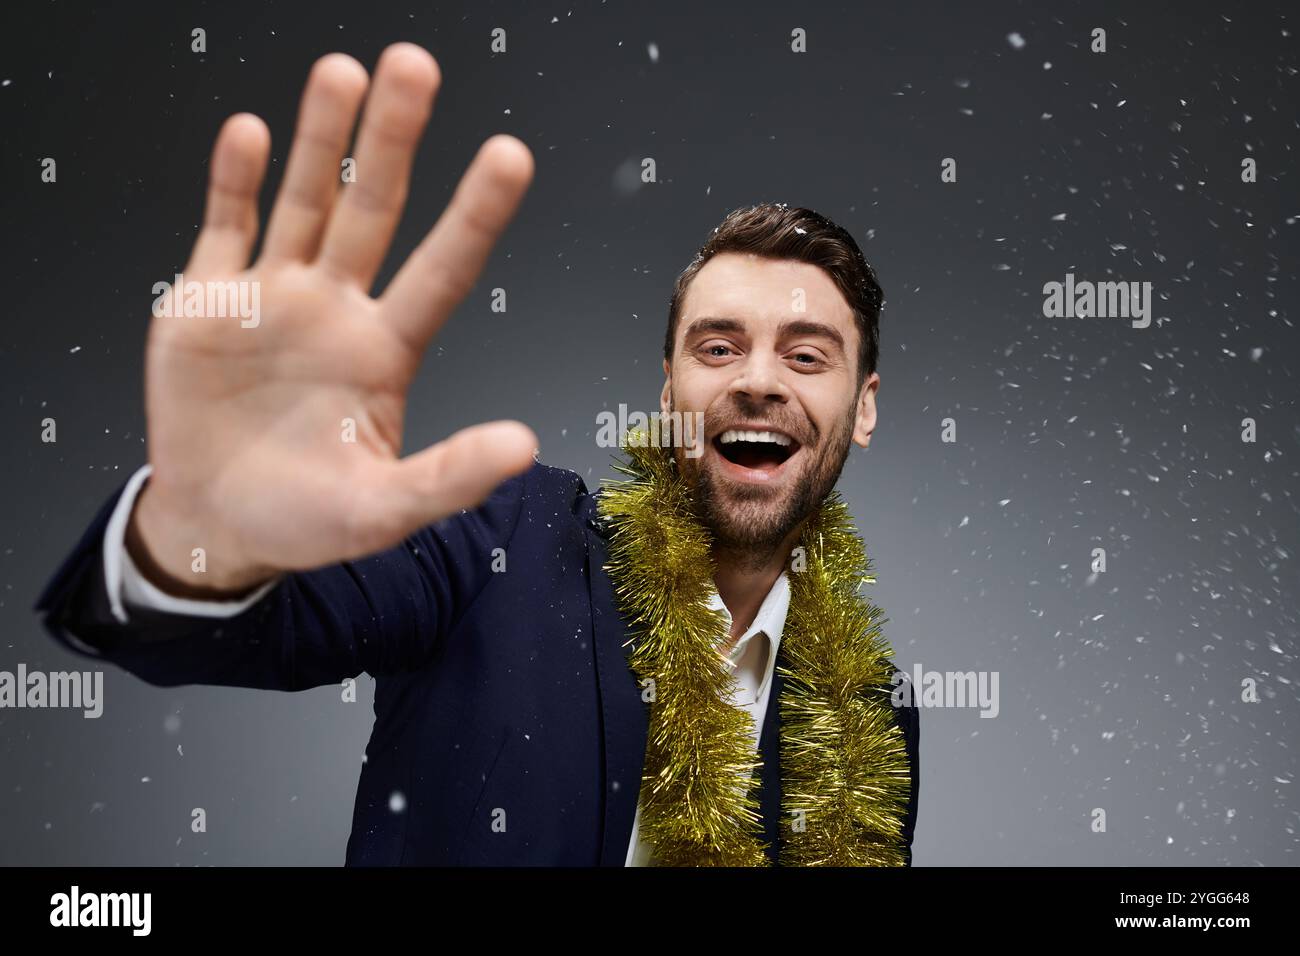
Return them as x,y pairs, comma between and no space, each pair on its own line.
759,379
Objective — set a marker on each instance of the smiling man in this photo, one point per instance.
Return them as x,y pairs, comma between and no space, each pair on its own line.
763,339
677,670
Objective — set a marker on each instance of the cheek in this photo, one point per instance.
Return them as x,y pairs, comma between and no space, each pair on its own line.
813,404
831,416
693,393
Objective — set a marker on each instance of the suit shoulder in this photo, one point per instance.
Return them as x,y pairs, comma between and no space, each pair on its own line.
539,488
556,487
544,476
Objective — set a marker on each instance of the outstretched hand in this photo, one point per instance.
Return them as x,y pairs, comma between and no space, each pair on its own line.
275,444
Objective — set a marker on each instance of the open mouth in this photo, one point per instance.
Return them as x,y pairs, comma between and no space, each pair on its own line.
756,450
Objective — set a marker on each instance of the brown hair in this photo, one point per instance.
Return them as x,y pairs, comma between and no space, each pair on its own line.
776,231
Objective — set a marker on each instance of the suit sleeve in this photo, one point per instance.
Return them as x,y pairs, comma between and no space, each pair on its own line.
386,613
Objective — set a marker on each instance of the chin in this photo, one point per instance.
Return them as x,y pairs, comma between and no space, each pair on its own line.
755,483
745,511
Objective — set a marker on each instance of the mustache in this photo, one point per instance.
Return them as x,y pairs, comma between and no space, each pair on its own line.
803,431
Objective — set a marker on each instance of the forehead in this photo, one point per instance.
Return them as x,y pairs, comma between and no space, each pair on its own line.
747,286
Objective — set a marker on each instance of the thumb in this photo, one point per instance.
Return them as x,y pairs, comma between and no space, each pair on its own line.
458,472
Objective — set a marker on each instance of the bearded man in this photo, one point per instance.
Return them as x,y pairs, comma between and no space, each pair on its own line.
676,670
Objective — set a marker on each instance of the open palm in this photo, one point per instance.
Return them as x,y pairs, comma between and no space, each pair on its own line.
275,443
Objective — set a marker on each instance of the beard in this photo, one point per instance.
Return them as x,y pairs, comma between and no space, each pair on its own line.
750,522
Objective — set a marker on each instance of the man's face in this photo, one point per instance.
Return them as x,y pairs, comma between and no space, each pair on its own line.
767,350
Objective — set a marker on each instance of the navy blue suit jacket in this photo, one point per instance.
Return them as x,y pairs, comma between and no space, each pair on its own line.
494,691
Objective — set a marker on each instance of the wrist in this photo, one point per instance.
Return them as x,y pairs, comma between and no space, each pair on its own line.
177,553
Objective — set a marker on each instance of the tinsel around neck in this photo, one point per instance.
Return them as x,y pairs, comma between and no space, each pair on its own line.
844,767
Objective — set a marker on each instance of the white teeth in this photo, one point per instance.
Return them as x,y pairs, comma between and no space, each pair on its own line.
776,438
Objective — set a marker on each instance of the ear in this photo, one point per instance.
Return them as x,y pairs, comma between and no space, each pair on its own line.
665,397
865,420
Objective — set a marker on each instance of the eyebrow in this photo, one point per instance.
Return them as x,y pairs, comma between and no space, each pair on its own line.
711,323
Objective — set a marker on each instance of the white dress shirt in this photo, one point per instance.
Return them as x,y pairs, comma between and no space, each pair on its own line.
752,659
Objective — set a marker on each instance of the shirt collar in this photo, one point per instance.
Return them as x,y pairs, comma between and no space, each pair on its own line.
770,620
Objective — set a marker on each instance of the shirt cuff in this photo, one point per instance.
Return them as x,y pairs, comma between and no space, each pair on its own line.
128,588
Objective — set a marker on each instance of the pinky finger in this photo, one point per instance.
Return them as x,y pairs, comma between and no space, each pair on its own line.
230,220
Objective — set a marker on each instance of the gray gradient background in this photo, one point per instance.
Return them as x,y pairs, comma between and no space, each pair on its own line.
1123,693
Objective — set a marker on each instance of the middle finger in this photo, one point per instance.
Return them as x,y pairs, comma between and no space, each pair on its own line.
362,225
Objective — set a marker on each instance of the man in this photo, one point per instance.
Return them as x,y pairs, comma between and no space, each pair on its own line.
276,539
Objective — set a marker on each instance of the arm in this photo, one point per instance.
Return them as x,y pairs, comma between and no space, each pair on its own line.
274,425
385,613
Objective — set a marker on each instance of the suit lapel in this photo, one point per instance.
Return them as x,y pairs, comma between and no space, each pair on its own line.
625,719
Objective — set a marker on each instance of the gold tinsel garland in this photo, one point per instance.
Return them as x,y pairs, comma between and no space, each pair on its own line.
844,768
